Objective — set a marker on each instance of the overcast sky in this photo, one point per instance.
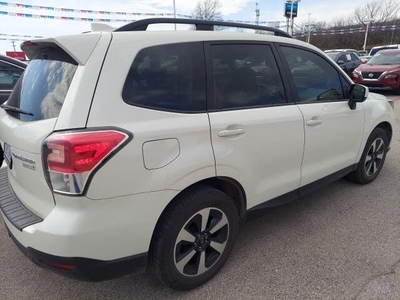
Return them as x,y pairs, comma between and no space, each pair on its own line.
271,10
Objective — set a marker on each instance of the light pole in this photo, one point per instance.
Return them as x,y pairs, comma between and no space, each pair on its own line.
309,28
174,13
366,32
309,25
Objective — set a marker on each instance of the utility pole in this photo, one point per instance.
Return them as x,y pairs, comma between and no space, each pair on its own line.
174,14
394,29
366,32
257,14
308,25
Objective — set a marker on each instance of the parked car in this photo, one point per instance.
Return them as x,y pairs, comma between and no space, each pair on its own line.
363,52
381,72
375,50
131,147
355,52
10,71
348,61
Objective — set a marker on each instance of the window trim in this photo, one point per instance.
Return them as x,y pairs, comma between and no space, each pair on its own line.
211,101
290,79
10,63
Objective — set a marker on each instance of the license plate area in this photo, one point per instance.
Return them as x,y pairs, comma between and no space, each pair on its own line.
8,155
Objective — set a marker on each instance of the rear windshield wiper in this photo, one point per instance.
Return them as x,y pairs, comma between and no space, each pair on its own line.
15,109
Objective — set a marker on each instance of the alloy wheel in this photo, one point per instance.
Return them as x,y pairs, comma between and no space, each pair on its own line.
374,157
201,242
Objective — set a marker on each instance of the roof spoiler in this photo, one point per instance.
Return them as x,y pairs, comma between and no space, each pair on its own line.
101,27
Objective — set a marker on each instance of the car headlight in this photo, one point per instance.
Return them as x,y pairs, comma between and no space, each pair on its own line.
391,76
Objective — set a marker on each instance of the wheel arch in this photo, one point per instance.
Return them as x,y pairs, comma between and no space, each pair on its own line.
227,185
388,129
384,124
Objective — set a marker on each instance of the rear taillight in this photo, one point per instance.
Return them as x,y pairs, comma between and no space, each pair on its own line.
70,158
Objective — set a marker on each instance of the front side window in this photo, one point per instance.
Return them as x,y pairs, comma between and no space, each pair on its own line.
9,75
245,76
168,77
314,77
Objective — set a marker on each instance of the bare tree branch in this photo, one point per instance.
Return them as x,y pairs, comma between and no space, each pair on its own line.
208,10
378,10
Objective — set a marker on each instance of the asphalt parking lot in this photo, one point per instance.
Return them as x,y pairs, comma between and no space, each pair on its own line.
341,242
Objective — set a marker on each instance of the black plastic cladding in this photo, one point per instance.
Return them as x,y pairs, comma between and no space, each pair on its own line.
205,25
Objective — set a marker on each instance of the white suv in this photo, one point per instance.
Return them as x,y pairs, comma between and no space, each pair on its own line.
134,147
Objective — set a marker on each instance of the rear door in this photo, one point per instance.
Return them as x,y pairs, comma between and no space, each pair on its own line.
257,134
333,131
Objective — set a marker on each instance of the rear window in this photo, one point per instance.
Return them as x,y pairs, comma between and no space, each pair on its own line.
43,86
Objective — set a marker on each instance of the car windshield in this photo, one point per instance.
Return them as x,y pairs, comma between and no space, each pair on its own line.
385,59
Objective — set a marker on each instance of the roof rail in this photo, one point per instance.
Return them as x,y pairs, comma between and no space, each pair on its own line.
141,25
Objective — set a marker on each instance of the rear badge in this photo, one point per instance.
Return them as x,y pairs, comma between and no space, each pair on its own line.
26,162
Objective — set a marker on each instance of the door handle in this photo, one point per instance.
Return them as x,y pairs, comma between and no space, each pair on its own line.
314,122
231,132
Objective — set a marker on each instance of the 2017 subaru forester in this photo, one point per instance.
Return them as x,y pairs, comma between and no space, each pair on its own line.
132,147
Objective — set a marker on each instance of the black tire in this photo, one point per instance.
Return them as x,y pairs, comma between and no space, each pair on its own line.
169,252
372,158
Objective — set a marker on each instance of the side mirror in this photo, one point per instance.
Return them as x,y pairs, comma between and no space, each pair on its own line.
358,93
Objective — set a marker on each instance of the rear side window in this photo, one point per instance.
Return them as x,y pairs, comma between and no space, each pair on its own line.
168,77
44,85
9,75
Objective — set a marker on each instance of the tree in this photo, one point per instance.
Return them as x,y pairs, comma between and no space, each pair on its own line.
208,10
378,10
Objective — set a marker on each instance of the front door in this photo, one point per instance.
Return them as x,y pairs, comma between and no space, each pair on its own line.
333,132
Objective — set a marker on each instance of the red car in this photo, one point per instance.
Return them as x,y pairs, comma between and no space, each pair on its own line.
381,72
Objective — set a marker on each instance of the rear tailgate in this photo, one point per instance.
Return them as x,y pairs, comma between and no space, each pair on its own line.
53,96
22,143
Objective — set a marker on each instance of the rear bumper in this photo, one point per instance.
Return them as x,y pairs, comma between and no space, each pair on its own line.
18,217
88,239
84,269
14,210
